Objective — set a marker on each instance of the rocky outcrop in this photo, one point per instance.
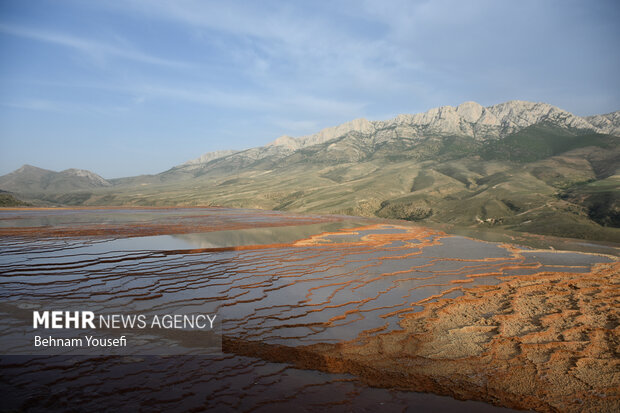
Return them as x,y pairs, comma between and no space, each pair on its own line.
468,119
287,142
208,157
608,123
360,125
89,176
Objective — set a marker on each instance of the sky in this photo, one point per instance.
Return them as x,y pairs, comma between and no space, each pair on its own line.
132,87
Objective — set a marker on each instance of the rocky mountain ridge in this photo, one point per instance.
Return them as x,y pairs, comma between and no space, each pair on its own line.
208,157
607,123
467,119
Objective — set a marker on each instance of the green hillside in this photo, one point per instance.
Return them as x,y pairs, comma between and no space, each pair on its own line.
543,179
9,200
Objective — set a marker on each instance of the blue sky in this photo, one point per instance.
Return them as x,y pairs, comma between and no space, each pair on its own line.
136,86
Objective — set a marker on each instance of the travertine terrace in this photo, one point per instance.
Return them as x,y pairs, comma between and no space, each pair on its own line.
364,302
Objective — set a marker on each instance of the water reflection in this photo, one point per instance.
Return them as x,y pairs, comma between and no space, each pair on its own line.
320,281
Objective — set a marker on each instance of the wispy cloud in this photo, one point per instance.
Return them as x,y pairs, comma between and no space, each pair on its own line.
35,104
250,100
281,45
200,96
64,107
137,94
295,127
88,46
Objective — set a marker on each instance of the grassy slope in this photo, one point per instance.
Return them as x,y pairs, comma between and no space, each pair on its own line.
8,200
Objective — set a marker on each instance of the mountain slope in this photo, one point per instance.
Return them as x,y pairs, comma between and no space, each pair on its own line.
7,199
32,180
518,165
468,120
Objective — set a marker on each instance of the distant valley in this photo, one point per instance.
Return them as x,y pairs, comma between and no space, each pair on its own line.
518,165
